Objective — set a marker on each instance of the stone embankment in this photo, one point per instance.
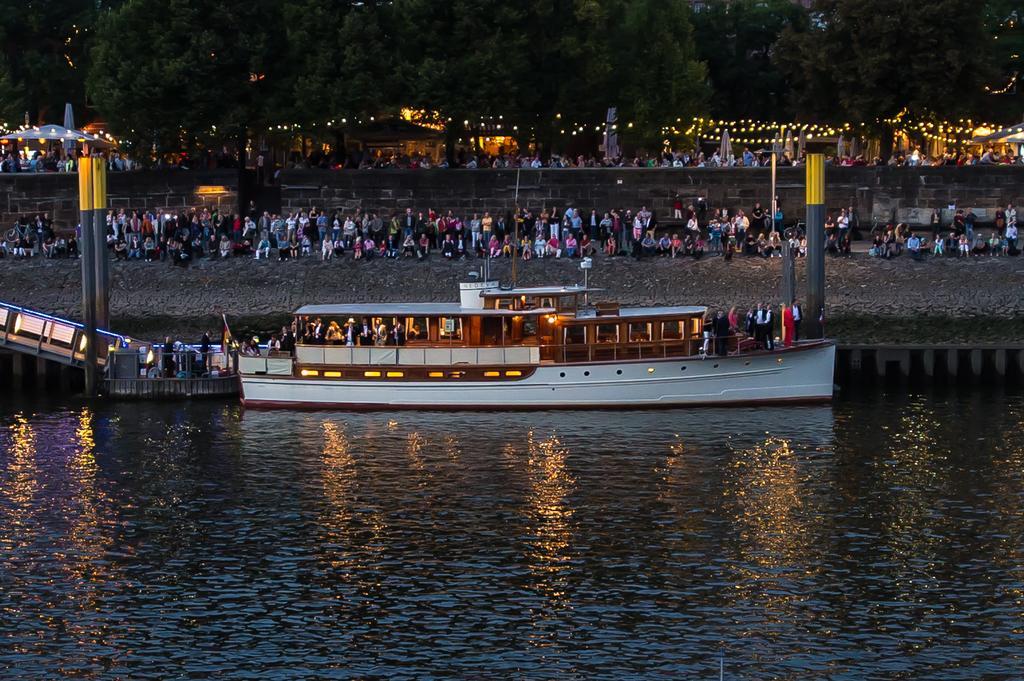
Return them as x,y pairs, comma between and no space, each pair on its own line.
977,300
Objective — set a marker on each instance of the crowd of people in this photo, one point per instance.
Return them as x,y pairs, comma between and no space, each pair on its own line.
694,230
32,161
961,238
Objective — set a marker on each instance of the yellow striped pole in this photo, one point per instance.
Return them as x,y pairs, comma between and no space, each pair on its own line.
85,253
813,313
101,254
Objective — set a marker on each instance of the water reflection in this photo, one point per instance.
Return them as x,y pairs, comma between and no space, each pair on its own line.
881,538
549,530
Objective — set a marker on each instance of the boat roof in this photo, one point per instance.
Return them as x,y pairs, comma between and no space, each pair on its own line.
455,310
536,291
408,309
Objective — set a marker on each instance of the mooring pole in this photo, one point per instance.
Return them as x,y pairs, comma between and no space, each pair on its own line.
815,246
86,246
100,253
788,288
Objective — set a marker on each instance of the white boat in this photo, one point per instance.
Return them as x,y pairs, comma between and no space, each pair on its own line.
525,348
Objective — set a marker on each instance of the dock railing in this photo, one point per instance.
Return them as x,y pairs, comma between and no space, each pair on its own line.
182,363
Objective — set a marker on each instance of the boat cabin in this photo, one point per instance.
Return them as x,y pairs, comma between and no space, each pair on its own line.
490,327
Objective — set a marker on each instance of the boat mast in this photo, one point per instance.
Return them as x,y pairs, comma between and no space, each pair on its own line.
515,237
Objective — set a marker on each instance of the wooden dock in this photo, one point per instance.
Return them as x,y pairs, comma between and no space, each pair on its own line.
172,388
934,363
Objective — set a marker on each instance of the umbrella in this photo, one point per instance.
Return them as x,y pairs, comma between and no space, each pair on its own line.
855,146
69,123
801,144
789,143
840,147
56,133
725,151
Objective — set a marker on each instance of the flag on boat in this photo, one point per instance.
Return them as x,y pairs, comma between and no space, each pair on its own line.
226,338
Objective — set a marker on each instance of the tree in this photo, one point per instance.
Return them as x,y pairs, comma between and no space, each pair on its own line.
869,60
170,73
43,58
737,41
1003,19
342,55
462,58
662,80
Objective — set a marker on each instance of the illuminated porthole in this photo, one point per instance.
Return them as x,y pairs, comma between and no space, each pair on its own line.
779,360
650,370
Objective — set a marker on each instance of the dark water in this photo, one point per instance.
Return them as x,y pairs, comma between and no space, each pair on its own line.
881,537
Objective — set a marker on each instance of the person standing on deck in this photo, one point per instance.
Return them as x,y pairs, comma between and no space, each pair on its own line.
788,330
797,317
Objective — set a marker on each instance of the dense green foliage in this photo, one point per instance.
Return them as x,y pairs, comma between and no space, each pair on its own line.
737,41
168,73
867,59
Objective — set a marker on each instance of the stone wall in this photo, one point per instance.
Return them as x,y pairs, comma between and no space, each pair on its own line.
874,192
26,194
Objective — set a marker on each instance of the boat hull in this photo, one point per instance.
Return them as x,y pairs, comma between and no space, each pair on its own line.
795,375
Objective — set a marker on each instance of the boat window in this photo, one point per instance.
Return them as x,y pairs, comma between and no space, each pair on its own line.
575,334
695,325
547,301
529,327
639,332
672,330
504,304
607,333
566,303
450,328
417,328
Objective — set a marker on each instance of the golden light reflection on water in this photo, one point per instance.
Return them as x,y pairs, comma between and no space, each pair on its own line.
19,484
550,523
673,477
90,531
911,469
414,444
346,548
764,487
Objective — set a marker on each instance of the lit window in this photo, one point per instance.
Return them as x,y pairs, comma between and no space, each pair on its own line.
310,372
492,374
514,373
436,374
395,374
371,374
332,374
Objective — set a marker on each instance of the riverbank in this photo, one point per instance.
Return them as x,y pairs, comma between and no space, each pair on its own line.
869,301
